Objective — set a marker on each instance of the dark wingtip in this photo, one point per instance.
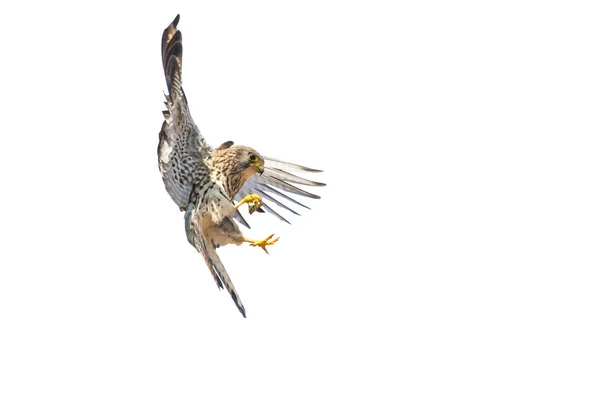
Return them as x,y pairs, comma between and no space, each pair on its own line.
275,213
175,21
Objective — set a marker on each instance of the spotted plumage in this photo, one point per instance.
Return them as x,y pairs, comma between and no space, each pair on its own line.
205,182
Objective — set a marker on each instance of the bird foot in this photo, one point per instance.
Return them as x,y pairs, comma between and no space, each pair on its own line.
264,243
254,202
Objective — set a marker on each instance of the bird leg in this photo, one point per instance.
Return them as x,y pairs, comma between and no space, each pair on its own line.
262,243
254,202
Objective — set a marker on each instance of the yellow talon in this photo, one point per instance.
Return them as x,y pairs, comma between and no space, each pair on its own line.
263,243
254,202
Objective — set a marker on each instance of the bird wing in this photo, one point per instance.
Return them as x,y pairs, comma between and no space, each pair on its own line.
181,147
275,180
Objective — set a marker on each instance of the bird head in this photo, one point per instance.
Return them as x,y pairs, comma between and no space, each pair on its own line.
254,161
237,164
242,159
249,161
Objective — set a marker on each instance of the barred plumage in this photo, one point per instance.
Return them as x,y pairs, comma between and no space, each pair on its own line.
204,182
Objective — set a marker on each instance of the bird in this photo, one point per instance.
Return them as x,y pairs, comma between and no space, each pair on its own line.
211,184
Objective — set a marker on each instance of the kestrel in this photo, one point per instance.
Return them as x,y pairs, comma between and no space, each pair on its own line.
206,182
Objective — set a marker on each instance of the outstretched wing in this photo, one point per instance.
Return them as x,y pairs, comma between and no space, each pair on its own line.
181,147
272,185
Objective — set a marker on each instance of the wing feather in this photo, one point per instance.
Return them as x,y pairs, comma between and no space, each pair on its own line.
281,184
277,176
268,188
239,218
181,147
275,213
274,163
286,176
265,195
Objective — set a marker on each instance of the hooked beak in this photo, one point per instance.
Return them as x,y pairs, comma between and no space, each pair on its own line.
260,168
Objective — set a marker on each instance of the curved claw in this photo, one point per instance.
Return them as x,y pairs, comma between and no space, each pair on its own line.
264,243
254,202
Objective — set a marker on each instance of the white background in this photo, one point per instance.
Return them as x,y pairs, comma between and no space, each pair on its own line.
454,253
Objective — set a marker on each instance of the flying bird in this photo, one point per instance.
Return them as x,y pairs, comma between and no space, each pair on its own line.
211,184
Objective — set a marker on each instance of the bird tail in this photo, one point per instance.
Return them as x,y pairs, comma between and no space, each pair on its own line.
172,52
214,261
208,251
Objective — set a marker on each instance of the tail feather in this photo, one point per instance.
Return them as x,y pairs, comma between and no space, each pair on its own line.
208,251
214,260
198,243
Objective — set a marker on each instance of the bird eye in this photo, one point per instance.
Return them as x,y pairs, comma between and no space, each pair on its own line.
253,158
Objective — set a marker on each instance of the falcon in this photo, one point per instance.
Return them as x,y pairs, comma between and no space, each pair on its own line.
211,184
